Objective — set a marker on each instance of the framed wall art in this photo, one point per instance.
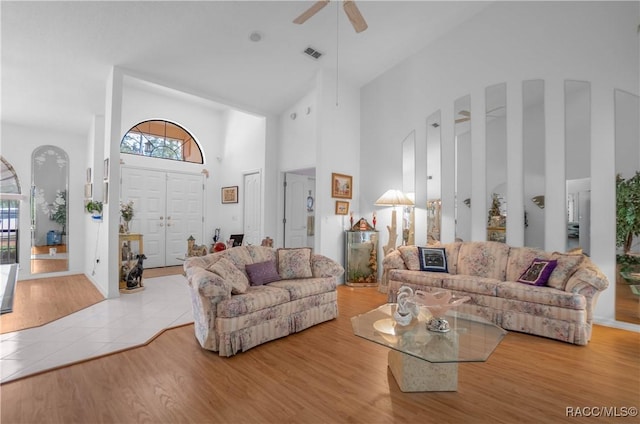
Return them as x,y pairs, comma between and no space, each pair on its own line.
341,186
230,194
342,208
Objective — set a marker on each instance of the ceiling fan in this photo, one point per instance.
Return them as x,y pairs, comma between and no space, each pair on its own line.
350,8
466,115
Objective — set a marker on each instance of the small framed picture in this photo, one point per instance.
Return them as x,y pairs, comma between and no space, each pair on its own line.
105,192
88,175
88,190
105,174
342,208
341,186
230,194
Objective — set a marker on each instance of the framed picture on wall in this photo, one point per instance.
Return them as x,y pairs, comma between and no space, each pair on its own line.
105,172
341,186
230,194
88,175
342,208
88,191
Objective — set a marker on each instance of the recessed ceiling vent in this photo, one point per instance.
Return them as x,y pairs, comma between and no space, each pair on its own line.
312,53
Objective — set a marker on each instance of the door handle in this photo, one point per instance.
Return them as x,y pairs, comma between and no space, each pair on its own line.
168,217
162,225
161,218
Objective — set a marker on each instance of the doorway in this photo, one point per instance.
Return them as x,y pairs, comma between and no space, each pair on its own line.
299,206
252,208
168,208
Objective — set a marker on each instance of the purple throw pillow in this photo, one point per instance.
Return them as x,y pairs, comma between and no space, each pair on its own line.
538,272
262,273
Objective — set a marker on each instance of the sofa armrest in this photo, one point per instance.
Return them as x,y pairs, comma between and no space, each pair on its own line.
207,283
393,260
587,275
322,267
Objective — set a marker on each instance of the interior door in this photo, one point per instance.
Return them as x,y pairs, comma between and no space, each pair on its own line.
295,210
168,209
184,214
147,189
252,208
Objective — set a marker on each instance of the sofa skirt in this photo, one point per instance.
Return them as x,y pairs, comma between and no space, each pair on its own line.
242,333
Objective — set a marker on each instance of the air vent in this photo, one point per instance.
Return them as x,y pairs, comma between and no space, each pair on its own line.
312,53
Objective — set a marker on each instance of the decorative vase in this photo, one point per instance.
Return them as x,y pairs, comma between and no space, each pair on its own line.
125,227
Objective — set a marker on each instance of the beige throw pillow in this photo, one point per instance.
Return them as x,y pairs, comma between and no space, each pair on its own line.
226,270
294,263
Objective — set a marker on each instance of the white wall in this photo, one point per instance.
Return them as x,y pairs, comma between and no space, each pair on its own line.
18,143
512,42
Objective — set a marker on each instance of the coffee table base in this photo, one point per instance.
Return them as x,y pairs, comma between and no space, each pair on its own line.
416,375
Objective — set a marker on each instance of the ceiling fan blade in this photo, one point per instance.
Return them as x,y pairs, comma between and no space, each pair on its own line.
352,11
458,121
317,6
464,113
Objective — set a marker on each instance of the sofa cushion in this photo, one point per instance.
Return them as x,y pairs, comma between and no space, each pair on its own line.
432,279
238,256
261,253
540,295
483,259
305,287
432,259
567,265
538,272
256,298
520,258
453,250
410,257
294,263
262,273
226,270
470,284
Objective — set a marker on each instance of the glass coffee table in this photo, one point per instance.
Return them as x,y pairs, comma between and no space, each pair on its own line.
422,360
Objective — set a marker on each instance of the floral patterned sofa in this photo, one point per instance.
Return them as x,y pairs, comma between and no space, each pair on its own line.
249,295
488,272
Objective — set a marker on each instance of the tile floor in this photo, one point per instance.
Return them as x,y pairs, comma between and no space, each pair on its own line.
106,327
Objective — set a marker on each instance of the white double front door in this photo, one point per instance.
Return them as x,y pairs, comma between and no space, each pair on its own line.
168,208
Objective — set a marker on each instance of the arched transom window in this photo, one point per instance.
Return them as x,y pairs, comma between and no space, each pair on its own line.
161,139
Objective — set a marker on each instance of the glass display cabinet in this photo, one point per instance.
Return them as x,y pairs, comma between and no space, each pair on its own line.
361,258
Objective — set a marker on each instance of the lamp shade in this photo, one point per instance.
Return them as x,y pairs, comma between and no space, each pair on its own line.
394,198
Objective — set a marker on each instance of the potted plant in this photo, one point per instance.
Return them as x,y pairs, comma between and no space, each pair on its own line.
628,224
94,208
627,211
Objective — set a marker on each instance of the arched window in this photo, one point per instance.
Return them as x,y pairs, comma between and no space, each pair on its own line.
9,213
161,139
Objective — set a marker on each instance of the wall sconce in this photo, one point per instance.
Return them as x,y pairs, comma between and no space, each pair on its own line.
539,201
293,116
467,202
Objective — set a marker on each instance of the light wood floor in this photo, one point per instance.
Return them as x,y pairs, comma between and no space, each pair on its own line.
327,375
40,301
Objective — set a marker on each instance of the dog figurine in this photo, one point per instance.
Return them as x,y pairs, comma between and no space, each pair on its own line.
134,276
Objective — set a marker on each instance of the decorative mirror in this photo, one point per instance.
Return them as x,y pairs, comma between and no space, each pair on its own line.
462,130
533,151
627,150
496,145
577,115
434,201
409,187
49,210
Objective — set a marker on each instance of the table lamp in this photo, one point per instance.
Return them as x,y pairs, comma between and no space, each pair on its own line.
393,198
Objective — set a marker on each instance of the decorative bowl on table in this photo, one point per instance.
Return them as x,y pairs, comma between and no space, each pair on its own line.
438,303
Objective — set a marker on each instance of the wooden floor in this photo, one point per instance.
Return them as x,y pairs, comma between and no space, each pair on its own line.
40,301
327,375
37,302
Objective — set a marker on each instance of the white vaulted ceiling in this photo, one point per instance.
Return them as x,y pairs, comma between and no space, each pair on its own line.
56,56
